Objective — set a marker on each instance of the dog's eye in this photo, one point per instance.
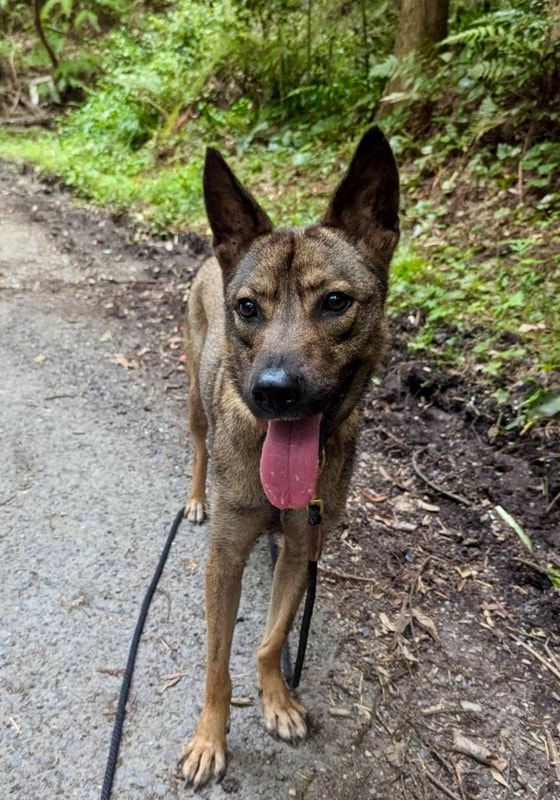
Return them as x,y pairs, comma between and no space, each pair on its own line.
336,302
246,308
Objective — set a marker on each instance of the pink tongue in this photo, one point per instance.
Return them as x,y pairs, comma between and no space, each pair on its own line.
290,461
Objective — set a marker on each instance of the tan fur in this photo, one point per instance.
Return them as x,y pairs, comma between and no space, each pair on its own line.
287,271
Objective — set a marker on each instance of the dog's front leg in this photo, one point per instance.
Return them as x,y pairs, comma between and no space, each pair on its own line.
232,540
283,716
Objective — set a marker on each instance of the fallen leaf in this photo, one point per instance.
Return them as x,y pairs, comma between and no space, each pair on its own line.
171,680
408,655
386,622
122,361
404,504
489,620
425,622
395,754
466,572
499,778
374,498
114,672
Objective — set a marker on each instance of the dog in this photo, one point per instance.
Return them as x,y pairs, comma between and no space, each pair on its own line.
285,327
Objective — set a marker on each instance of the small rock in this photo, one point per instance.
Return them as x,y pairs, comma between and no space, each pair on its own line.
141,781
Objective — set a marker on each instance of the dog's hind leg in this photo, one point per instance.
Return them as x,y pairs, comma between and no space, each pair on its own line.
195,335
198,425
283,716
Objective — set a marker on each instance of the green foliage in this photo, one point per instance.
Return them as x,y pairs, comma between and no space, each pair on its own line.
509,299
505,64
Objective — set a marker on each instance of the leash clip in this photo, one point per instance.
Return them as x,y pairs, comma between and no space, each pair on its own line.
315,533
315,511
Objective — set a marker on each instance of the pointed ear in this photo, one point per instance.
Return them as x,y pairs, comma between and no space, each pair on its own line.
365,206
234,216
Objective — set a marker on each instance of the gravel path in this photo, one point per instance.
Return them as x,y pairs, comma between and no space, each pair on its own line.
91,477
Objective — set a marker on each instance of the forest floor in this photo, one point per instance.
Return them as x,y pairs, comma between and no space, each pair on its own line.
434,622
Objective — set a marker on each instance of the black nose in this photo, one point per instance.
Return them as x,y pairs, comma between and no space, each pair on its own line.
277,391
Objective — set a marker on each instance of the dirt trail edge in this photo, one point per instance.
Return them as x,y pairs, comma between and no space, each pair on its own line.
433,622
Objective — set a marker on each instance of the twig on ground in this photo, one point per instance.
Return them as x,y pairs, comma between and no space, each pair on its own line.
467,747
15,725
417,576
241,702
460,781
553,756
395,439
452,768
7,500
345,576
456,497
26,121
537,567
58,397
550,667
552,503
552,657
441,786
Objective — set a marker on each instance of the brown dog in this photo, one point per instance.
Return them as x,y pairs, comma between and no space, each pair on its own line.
284,330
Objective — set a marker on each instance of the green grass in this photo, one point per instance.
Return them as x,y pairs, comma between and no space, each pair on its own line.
168,193
511,306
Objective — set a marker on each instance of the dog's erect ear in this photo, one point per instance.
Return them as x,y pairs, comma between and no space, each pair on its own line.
365,205
234,216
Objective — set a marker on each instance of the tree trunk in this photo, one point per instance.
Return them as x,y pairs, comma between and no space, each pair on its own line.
554,14
551,80
422,24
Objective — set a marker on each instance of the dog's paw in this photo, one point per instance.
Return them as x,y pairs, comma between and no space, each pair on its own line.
284,717
194,511
202,759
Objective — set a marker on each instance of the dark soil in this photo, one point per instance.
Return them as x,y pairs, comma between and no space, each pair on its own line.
449,623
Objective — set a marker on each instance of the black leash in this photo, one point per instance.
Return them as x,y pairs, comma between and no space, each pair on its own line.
131,662
292,678
305,622
314,520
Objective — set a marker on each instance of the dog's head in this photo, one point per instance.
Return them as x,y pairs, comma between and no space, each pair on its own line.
304,307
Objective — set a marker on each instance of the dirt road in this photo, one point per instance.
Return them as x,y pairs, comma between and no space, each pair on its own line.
422,639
